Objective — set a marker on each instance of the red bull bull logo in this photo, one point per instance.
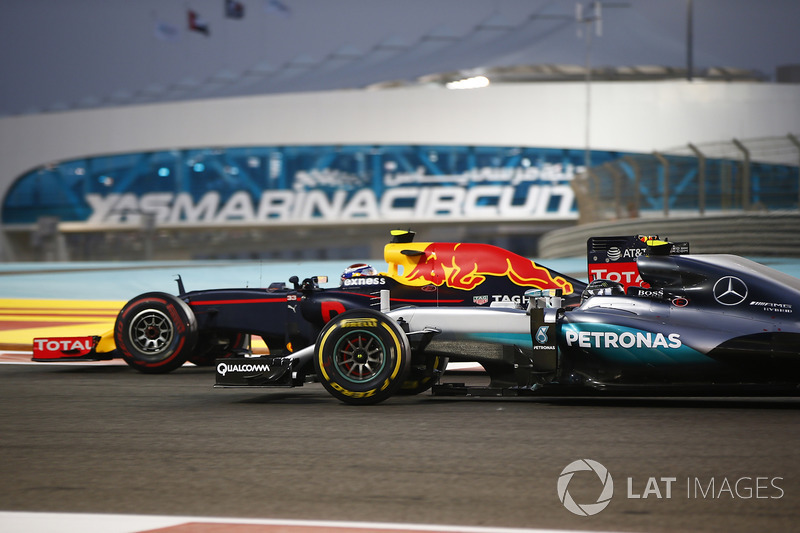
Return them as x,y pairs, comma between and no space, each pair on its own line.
465,266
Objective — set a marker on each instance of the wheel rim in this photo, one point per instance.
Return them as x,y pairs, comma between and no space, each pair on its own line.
151,332
359,356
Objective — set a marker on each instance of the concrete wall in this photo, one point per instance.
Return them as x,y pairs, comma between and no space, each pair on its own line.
625,116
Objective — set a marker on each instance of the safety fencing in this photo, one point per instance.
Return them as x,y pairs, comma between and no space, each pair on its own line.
752,175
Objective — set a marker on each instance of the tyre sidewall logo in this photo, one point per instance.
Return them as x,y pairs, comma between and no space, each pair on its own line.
730,290
585,509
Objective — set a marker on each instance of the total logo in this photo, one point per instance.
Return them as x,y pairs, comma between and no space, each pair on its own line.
64,344
626,277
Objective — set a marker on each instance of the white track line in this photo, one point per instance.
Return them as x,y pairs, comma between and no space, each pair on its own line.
28,522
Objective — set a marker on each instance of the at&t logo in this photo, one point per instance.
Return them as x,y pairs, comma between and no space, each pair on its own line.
614,253
585,509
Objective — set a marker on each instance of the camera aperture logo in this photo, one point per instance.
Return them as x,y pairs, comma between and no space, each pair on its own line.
743,487
585,509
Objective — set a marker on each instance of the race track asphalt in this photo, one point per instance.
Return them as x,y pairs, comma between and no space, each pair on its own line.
106,439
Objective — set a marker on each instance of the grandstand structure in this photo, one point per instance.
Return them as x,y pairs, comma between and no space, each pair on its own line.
327,175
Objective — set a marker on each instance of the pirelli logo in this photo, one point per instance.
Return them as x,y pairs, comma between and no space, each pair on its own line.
359,323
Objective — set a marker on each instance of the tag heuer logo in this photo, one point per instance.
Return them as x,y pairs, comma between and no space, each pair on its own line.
480,300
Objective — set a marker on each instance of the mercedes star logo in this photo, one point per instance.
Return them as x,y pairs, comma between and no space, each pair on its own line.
730,290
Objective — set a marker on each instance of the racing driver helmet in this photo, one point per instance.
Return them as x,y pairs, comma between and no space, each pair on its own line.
602,287
358,270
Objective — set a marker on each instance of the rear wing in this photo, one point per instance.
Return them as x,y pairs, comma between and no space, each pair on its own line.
614,258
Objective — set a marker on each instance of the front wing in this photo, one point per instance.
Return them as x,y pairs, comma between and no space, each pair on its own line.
88,348
264,371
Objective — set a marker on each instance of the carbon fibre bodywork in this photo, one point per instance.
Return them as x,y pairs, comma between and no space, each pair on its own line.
705,320
692,324
288,317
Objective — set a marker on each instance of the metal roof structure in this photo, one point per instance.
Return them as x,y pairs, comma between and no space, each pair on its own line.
81,54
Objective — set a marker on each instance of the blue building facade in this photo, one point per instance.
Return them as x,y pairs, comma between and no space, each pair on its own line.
291,184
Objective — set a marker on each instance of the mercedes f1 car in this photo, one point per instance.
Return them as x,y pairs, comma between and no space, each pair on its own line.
158,332
667,322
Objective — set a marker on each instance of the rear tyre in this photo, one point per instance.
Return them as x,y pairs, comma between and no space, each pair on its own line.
362,357
155,332
213,345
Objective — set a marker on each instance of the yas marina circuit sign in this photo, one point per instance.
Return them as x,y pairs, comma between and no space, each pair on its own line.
303,185
523,200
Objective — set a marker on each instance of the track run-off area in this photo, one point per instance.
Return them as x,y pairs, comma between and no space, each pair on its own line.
101,447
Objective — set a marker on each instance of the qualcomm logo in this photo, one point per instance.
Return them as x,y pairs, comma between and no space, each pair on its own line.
586,509
224,368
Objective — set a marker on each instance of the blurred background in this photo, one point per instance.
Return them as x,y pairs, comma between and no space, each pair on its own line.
307,129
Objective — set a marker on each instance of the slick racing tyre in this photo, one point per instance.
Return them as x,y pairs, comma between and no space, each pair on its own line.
155,332
212,345
424,373
362,357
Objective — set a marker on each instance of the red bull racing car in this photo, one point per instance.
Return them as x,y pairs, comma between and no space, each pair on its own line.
158,332
662,322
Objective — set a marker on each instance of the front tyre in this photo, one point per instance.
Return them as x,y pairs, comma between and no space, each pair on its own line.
155,332
362,357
